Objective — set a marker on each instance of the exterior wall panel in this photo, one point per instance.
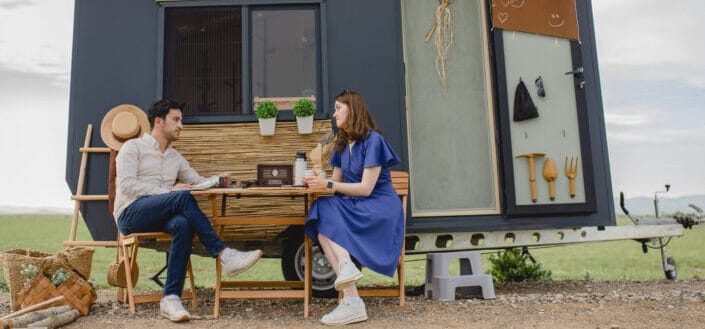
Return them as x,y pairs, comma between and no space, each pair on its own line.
115,58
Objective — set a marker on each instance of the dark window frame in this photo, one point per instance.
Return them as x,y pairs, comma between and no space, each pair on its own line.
322,94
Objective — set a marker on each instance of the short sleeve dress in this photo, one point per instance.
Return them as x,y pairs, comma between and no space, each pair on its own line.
370,228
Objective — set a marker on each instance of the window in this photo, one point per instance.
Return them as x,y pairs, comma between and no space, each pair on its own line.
218,59
202,59
284,51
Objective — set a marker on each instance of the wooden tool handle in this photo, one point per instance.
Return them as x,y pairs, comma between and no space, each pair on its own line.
532,179
551,190
572,187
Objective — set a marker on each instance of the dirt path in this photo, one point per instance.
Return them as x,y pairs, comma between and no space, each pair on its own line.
654,304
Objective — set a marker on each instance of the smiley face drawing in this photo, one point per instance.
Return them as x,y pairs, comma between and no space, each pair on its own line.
556,20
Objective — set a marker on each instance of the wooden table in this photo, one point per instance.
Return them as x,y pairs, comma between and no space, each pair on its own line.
279,289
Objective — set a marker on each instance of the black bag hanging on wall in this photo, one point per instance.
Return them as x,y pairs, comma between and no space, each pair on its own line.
524,107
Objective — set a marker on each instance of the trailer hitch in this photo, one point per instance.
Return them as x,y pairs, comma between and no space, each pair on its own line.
687,220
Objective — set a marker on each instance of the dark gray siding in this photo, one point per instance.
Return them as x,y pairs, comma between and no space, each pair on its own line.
115,61
365,55
598,133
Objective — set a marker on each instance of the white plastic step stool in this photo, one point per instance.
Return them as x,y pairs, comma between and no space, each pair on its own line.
441,286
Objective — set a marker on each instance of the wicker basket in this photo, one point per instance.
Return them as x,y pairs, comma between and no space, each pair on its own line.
79,259
79,294
12,261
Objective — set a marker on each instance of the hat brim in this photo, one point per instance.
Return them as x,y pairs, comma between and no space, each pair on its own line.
106,126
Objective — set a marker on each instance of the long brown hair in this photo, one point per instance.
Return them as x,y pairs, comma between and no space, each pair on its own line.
359,121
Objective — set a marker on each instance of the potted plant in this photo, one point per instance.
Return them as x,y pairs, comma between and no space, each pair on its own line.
304,110
266,112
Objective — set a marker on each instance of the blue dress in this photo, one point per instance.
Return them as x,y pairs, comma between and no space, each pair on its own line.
370,228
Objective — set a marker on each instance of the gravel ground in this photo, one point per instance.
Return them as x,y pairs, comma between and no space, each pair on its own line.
652,304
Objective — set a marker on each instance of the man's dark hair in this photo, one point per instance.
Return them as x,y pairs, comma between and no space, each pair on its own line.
161,108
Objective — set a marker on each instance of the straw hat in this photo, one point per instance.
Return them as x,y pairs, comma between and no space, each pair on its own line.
121,123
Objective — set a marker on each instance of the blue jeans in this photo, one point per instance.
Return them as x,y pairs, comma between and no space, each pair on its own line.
177,214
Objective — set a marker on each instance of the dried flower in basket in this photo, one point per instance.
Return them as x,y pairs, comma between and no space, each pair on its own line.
59,277
29,271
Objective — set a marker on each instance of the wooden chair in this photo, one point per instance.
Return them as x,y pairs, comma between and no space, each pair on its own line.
400,181
128,248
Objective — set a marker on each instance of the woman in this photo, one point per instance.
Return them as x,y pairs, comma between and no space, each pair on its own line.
364,219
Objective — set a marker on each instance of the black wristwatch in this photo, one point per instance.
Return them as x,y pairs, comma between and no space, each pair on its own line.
329,185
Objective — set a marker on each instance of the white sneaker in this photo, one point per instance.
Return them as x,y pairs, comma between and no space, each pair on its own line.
172,309
345,313
348,274
235,261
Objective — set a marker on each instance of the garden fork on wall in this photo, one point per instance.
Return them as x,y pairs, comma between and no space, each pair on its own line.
570,172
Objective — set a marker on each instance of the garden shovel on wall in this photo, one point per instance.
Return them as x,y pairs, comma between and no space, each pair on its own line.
550,174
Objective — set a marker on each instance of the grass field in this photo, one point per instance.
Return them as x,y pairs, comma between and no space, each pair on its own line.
603,261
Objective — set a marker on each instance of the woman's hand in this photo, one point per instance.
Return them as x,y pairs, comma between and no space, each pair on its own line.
317,181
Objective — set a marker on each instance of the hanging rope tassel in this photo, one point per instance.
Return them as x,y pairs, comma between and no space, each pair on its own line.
443,30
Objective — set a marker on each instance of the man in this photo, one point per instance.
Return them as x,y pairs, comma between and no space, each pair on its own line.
152,194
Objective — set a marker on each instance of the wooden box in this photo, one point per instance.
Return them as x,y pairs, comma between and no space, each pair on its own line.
275,174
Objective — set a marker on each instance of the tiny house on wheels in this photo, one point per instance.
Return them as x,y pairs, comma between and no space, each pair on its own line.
494,107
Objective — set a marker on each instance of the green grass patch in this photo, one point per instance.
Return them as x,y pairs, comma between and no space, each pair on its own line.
47,232
603,261
624,260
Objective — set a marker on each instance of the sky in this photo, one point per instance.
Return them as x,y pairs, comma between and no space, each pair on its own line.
652,72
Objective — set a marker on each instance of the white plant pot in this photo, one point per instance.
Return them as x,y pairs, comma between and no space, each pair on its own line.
305,124
267,126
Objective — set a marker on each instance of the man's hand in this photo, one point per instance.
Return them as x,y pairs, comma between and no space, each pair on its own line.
181,186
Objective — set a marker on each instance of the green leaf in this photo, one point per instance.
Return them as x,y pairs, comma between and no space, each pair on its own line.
266,110
304,107
513,266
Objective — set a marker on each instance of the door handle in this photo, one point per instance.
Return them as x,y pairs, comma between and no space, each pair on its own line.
578,76
577,71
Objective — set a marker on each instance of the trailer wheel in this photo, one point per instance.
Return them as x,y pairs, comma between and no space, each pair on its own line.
292,263
672,272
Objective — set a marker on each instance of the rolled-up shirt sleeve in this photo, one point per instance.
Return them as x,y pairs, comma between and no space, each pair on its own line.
187,174
127,167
